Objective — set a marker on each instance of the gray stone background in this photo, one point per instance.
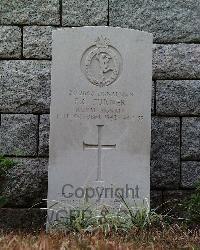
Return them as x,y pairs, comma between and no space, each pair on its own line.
25,61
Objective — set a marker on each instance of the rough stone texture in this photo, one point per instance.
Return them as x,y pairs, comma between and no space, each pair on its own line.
37,42
169,21
165,152
44,135
18,134
84,13
156,199
27,220
153,99
25,184
42,12
25,86
190,173
178,97
176,61
10,42
190,138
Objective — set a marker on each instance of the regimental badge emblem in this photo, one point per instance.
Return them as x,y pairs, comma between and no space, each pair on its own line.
101,63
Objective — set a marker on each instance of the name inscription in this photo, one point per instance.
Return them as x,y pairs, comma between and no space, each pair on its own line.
95,105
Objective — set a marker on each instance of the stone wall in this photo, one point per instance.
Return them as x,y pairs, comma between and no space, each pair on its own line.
25,61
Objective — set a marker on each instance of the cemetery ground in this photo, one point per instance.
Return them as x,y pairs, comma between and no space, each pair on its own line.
173,237
108,230
168,226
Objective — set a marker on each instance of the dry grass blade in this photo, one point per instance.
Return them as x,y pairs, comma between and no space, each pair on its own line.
173,237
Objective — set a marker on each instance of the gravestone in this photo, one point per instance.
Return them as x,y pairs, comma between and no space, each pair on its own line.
100,117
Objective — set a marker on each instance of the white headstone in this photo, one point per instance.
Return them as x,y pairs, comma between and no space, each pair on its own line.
100,116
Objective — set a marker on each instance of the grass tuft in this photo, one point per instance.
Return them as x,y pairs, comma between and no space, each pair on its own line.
173,237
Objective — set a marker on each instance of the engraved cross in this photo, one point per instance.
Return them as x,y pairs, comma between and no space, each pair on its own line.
99,147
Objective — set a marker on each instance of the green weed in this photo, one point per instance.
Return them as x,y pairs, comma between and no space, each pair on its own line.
192,206
107,220
5,165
